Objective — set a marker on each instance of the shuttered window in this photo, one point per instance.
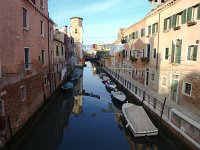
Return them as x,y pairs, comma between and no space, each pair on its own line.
198,15
149,30
192,52
133,35
166,53
183,21
189,14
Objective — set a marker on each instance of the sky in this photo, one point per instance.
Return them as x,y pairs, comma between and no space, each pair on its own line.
101,18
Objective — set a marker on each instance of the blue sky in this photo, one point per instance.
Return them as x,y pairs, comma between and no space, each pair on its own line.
101,18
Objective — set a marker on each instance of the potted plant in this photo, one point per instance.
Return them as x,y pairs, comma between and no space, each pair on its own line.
145,59
133,59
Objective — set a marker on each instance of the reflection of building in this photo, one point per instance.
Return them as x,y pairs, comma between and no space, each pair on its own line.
76,31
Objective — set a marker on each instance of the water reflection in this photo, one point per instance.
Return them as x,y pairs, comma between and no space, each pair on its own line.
77,121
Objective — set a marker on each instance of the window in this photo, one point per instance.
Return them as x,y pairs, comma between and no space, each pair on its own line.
142,32
23,93
166,53
1,108
153,77
133,35
193,13
155,28
25,17
192,52
76,31
57,52
62,50
177,20
154,53
164,81
149,30
130,37
41,27
148,51
167,23
26,58
176,51
187,88
45,80
42,3
183,17
43,57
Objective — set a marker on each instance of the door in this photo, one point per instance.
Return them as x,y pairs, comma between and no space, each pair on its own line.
174,90
147,78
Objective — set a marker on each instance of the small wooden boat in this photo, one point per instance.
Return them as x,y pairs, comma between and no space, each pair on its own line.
138,120
111,85
67,86
119,95
106,79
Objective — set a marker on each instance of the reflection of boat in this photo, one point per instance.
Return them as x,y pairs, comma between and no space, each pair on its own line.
74,78
117,104
138,120
106,79
118,95
111,85
67,86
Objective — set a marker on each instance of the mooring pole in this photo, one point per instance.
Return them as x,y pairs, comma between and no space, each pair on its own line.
161,114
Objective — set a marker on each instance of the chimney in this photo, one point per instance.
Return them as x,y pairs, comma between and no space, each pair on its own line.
152,4
66,30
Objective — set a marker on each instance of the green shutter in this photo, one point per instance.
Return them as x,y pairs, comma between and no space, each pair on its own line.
195,53
189,14
184,16
133,35
174,21
178,55
166,53
189,53
198,15
165,24
153,29
172,55
170,22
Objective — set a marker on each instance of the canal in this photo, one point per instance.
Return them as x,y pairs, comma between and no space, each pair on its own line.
75,121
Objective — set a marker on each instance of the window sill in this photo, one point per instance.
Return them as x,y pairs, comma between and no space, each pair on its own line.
177,28
26,28
189,95
175,64
167,30
191,23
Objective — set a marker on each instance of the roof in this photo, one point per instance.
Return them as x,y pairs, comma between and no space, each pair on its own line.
76,18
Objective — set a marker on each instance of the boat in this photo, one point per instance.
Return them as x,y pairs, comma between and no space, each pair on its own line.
119,95
106,79
111,85
102,75
138,121
67,86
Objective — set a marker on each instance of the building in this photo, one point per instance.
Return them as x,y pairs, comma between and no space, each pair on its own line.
76,31
25,62
161,56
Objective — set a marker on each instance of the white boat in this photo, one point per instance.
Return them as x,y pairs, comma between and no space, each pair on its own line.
106,79
138,120
67,86
111,85
119,95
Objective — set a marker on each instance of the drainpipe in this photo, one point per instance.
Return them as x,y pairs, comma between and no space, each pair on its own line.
158,41
49,55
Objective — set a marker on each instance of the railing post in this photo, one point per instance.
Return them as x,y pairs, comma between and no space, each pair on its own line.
163,107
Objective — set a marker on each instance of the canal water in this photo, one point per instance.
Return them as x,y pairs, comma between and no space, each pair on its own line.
89,121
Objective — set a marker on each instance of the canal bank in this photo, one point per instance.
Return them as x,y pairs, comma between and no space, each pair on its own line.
154,109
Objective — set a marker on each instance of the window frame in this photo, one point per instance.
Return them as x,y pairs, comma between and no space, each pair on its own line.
165,54
23,97
153,77
42,28
183,89
43,57
154,56
27,18
29,58
163,80
188,51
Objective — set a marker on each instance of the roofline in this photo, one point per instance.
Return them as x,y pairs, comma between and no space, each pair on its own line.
76,18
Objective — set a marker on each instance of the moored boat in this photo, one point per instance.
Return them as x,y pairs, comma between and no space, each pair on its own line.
119,95
106,79
67,86
111,85
138,120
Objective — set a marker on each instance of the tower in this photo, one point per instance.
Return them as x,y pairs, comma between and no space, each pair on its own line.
76,31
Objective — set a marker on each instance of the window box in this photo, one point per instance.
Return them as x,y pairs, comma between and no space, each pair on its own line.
177,28
191,23
133,59
144,59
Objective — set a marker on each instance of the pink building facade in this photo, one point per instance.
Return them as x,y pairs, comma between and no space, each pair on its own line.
26,72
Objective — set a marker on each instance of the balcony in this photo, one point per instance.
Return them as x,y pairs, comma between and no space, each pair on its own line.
191,23
177,27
